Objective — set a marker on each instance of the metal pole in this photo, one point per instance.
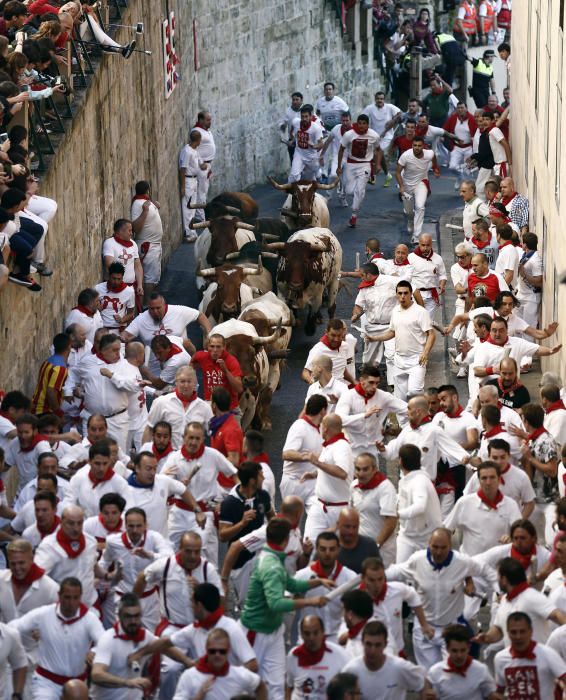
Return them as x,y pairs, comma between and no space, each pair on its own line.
415,74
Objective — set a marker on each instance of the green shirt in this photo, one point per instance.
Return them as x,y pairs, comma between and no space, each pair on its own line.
266,603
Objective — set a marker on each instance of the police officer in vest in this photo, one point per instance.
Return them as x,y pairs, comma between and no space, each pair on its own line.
482,78
452,55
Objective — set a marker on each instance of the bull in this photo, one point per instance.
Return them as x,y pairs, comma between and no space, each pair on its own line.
304,207
239,203
265,313
308,271
248,347
224,235
224,297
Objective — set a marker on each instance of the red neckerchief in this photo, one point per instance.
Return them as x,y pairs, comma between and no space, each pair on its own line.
514,387
71,621
108,474
375,256
517,590
505,200
160,455
529,652
129,545
480,245
457,413
173,350
381,597
497,345
405,262
523,559
419,252
119,633
309,421
316,567
460,670
334,439
51,530
118,527
425,420
356,128
67,544
275,547
536,433
137,197
504,244
366,285
34,574
189,571
101,358
484,340
189,457
344,129
262,457
359,390
493,431
184,401
324,340
556,406
121,241
118,289
34,442
305,657
373,483
6,415
203,666
357,628
501,475
84,310
210,620
490,504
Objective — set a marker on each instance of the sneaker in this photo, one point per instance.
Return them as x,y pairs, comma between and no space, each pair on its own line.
344,203
190,237
43,270
25,281
128,49
388,180
371,181
353,221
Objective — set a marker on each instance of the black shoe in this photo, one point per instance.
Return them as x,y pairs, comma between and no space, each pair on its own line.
128,50
25,281
43,270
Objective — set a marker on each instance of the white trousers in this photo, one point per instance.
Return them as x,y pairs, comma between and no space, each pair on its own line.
305,166
170,670
44,207
528,310
356,183
151,262
270,653
447,501
44,689
430,304
240,579
542,518
408,545
389,352
181,521
373,352
408,376
483,176
293,487
321,518
203,183
428,651
414,207
90,29
458,157
191,187
118,427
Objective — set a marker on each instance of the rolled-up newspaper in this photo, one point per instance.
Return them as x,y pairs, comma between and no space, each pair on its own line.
344,588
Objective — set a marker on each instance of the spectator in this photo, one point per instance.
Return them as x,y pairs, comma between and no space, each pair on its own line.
48,395
148,230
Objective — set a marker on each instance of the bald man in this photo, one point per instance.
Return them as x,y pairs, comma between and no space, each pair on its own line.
354,548
429,273
515,203
398,265
334,472
325,383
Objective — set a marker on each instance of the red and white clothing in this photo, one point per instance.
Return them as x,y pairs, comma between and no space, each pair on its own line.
486,286
388,608
90,321
475,209
489,248
489,354
26,514
378,118
464,130
529,675
161,457
79,453
459,276
508,259
96,527
529,296
419,513
24,459
62,648
456,426
206,151
555,422
12,653
112,302
331,614
374,502
6,427
472,681
309,675
501,434
86,491
415,183
190,161
255,541
332,392
481,524
377,299
514,483
153,499
340,357
532,563
496,136
305,163
393,679
149,238
303,436
359,150
178,357
331,493
528,600
237,680
178,413
402,271
112,650
124,252
363,432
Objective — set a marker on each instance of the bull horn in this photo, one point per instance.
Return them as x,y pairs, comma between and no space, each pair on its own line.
197,206
232,256
232,210
259,265
269,237
207,272
269,255
203,224
330,186
265,340
275,246
246,227
285,188
289,212
250,270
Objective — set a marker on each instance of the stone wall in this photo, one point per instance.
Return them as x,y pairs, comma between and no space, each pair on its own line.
252,54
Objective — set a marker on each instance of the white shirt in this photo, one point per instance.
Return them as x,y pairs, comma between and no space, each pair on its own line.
303,437
514,483
391,682
390,612
534,268
6,427
25,516
90,323
335,139
200,473
171,409
175,322
125,255
418,506
519,676
207,148
238,680
415,170
360,148
339,357
175,595
537,606
331,392
84,493
555,423
330,111
379,116
190,161
377,302
389,267
25,461
488,354
30,489
481,526
427,273
493,556
192,640
511,440
373,506
154,500
508,259
255,540
305,140
103,395
477,684
330,488
11,652
112,303
148,447
456,427
310,682
557,641
152,229
473,210
495,138
175,362
411,326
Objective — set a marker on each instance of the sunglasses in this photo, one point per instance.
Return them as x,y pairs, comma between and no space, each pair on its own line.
460,257
217,651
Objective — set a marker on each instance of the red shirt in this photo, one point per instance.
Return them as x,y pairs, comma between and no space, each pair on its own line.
229,438
484,286
213,374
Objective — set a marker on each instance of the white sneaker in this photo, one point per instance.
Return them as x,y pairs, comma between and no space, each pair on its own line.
191,237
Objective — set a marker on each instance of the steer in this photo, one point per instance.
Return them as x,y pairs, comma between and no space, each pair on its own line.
308,272
223,299
243,342
240,203
303,206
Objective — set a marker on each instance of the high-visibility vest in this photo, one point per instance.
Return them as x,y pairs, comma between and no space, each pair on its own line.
444,38
486,23
469,21
483,69
504,16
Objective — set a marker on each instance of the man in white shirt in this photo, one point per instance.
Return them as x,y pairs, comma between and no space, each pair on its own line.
24,450
123,249
474,207
507,263
411,326
333,344
529,287
206,152
190,166
86,313
555,412
429,273
324,383
171,354
148,230
12,655
414,187
330,107
382,119
14,405
117,300
291,113
331,162
333,474
307,134
491,420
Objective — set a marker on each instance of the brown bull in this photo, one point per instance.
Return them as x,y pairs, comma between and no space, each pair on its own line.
303,207
223,237
223,299
240,203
